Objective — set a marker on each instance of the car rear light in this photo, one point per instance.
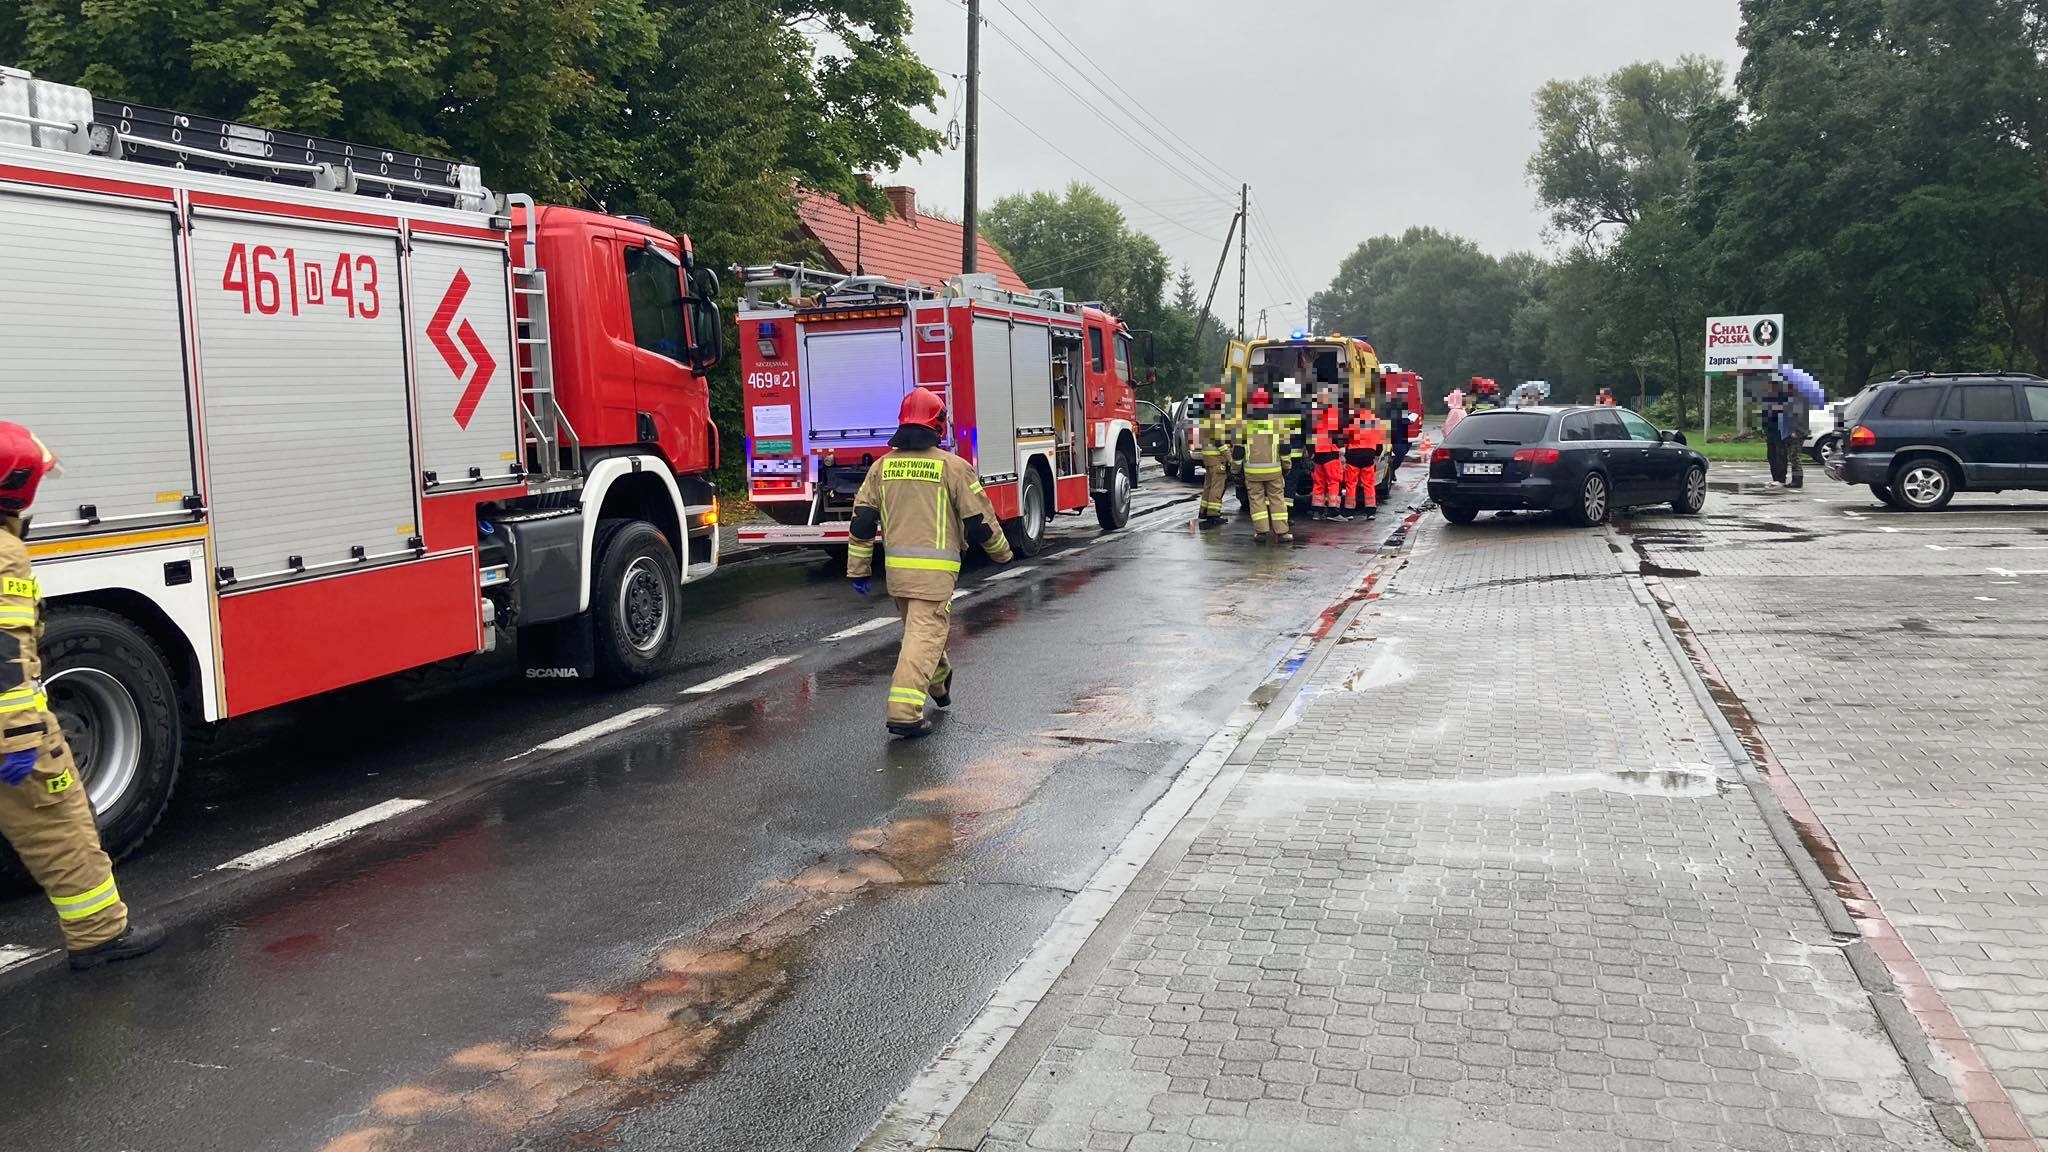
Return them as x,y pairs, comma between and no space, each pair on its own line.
1862,437
1536,456
1440,456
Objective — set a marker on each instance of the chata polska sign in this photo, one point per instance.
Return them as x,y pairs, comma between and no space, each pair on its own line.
1745,343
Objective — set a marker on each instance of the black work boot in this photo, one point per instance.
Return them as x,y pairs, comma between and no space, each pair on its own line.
136,941
911,730
1316,515
942,695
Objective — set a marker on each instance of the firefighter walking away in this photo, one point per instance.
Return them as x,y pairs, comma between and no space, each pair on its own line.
1266,448
927,504
44,813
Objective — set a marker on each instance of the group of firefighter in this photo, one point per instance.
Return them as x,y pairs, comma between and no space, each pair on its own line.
1341,441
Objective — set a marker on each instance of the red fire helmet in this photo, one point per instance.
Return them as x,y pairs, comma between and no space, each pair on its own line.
1260,399
923,408
24,461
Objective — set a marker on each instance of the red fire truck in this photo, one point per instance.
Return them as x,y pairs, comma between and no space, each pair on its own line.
327,413
1039,392
1404,388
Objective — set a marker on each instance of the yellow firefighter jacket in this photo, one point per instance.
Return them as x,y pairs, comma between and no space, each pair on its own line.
927,499
1217,433
22,706
1268,446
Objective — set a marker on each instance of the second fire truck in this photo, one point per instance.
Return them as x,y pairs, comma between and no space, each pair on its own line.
1038,391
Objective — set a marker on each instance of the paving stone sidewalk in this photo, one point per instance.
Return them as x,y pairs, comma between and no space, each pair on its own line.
1495,886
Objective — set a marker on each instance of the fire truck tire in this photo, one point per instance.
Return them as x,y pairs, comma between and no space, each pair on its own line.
635,602
1113,508
112,690
1027,531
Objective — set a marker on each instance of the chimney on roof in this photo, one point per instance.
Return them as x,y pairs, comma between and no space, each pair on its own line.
903,199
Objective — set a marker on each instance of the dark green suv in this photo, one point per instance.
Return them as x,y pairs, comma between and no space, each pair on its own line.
1918,439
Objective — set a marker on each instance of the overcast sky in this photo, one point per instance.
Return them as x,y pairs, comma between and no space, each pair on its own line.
1348,117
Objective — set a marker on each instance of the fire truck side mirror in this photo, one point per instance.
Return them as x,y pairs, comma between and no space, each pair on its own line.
705,322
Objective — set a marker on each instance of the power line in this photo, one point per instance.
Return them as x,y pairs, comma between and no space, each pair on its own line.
1134,204
1093,108
1133,100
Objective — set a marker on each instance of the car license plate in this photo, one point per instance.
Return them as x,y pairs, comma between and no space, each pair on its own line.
1479,469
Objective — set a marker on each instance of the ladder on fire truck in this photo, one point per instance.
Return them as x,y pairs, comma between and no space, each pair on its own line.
553,453
70,119
835,289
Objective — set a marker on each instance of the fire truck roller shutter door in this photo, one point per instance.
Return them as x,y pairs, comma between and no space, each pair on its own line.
94,355
1031,376
995,424
308,429
463,359
854,380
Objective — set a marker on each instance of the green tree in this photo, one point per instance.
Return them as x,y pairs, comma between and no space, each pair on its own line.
1612,145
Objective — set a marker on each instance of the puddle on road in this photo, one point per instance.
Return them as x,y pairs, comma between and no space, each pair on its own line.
613,1051
1388,667
1269,796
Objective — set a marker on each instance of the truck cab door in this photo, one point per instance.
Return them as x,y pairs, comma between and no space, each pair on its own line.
670,396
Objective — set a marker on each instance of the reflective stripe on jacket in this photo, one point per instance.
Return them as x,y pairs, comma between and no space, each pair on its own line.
22,703
925,496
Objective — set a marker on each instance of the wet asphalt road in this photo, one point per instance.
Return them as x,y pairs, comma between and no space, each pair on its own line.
742,923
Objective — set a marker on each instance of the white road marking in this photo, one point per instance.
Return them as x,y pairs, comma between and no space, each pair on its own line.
589,732
1063,552
732,678
1937,547
923,1108
319,837
14,955
1012,573
2017,571
860,629
1986,599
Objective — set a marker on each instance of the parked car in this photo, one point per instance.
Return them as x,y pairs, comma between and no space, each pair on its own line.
1183,457
1581,461
1822,429
1920,438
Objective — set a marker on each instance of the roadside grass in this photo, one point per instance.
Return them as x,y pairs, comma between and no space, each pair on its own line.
1734,450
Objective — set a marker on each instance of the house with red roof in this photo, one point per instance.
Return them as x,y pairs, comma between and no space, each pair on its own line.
906,246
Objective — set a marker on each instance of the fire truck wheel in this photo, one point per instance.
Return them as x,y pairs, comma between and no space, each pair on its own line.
1027,531
112,691
634,602
1113,508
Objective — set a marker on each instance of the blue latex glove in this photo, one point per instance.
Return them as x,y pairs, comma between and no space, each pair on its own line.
17,766
860,587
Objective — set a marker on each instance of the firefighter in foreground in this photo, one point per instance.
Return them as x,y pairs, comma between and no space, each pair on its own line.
1217,436
1266,447
44,813
929,505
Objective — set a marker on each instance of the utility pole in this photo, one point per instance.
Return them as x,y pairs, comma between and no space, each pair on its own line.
1244,204
969,247
1202,321
1310,326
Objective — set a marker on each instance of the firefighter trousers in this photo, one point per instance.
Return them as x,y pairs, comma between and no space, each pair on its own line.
1361,486
921,664
47,820
1327,489
1215,478
1268,496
